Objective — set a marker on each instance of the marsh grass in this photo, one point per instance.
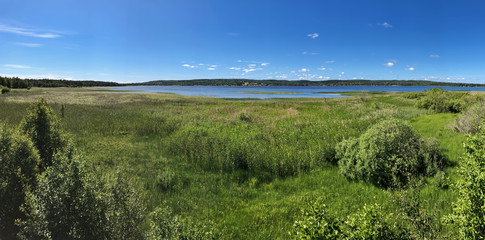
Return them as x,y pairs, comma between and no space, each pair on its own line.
249,166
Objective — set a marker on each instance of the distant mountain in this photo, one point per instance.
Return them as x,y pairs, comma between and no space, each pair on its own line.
251,82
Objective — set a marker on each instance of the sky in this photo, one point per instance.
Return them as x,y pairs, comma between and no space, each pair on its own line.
144,40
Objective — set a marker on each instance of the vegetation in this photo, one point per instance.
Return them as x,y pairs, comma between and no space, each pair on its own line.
441,101
47,192
4,89
469,210
368,223
206,168
15,82
470,120
389,154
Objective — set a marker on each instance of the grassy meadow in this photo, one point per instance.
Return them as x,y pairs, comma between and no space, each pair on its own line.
245,167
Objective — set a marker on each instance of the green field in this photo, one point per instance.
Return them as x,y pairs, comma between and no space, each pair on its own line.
246,167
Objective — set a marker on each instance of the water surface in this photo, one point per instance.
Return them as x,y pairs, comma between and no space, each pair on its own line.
263,92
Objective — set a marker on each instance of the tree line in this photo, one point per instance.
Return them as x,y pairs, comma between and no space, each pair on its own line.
252,82
16,82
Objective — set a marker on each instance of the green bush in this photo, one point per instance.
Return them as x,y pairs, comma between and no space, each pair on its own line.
69,202
388,154
18,171
368,223
42,126
440,101
166,225
469,210
5,89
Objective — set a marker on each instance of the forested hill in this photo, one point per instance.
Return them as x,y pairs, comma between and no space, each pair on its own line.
15,82
249,82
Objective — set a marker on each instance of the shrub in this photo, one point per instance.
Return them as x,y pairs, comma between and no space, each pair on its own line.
71,203
42,126
388,154
166,225
440,101
5,90
18,169
368,223
469,210
470,119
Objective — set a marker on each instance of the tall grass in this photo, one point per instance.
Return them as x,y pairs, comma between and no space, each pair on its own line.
248,166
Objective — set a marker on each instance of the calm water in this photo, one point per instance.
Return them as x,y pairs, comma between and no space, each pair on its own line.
299,92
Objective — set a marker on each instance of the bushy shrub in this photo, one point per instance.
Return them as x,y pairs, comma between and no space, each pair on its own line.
470,119
441,101
469,210
69,202
5,89
18,171
42,125
368,223
388,154
166,225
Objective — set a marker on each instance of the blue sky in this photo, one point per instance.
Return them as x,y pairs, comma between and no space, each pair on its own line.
133,41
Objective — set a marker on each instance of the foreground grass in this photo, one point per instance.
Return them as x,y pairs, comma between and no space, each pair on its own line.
249,166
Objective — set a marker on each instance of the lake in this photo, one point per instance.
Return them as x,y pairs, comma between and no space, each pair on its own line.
263,92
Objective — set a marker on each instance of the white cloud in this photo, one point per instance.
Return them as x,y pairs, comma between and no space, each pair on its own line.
27,32
28,44
211,69
213,66
342,73
322,68
313,35
264,64
385,25
304,70
15,66
189,66
389,64
251,65
249,70
434,56
410,69
235,68
330,61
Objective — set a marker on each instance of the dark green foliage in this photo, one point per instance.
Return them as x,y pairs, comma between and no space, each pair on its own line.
251,82
368,223
389,154
43,128
15,82
166,225
5,90
469,210
70,203
18,169
441,101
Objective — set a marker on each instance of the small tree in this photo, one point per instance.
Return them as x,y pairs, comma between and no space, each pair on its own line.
42,126
469,210
18,169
